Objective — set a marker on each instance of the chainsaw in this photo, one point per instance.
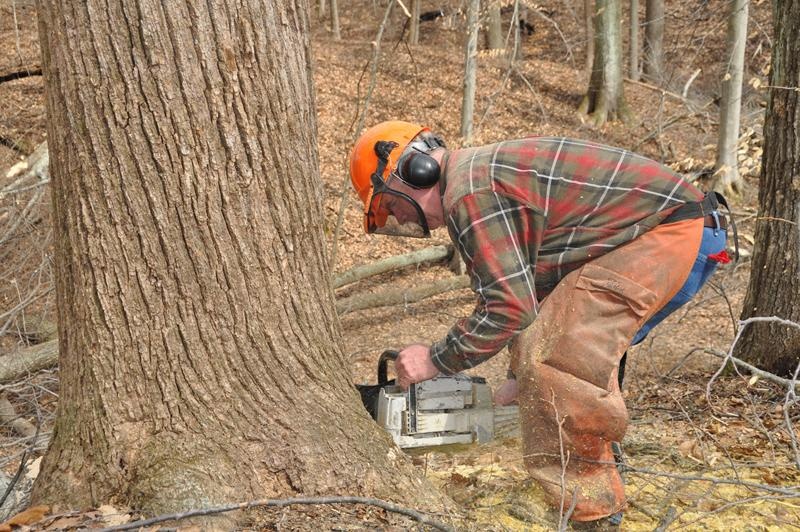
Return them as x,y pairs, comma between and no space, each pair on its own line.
448,409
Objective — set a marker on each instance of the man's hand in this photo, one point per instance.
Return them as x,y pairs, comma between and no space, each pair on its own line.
506,394
414,365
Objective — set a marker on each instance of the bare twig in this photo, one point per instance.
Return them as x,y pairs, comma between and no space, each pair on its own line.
792,490
791,399
511,62
344,197
535,94
668,518
562,519
685,90
664,92
729,357
280,503
540,14
14,480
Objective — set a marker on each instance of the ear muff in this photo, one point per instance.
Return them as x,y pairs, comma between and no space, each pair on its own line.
418,169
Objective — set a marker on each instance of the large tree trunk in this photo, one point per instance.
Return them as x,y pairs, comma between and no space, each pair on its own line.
774,288
727,179
200,349
654,41
605,99
470,71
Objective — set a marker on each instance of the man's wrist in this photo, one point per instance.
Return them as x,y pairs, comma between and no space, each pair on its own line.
444,358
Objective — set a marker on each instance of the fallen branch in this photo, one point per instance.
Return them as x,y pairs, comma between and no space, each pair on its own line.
729,356
32,359
394,297
12,144
433,253
8,415
281,503
736,361
685,90
19,75
654,88
29,360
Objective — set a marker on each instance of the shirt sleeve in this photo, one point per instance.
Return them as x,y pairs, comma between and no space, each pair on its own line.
498,238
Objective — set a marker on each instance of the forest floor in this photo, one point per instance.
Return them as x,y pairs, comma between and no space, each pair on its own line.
693,464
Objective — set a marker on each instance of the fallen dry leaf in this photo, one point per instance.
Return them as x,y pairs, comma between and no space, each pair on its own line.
32,515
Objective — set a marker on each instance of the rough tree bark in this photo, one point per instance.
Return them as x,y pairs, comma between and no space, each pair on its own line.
470,71
654,41
774,288
200,349
726,176
605,99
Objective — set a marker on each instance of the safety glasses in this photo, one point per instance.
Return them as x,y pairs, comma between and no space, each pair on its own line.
391,212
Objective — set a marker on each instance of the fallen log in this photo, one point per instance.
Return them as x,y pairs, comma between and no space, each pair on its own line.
29,360
395,297
431,254
23,362
8,416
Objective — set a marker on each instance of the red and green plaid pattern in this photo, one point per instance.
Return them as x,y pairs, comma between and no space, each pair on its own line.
525,213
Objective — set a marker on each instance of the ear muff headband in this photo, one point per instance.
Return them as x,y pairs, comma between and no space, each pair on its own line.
415,168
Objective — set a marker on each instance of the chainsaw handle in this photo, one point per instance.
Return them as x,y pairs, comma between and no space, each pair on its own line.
386,356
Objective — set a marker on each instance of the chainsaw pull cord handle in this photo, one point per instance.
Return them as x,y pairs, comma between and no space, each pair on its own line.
386,356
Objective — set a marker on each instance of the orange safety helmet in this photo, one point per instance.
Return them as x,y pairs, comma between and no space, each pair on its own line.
373,164
364,160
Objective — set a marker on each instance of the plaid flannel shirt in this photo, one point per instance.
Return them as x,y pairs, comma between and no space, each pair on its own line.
525,213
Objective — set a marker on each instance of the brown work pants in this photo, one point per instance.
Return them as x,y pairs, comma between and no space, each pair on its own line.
567,361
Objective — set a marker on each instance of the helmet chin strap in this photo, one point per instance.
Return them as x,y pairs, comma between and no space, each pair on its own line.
382,149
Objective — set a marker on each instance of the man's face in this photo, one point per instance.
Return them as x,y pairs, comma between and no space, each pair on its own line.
403,211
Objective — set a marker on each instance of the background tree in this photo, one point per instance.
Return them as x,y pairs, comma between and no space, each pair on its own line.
337,32
588,17
519,16
774,288
606,98
494,27
633,41
470,71
413,30
653,63
200,349
726,178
